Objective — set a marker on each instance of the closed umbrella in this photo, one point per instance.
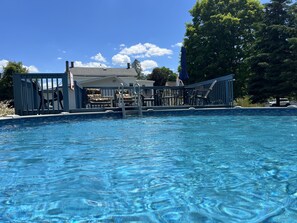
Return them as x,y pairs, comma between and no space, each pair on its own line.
183,75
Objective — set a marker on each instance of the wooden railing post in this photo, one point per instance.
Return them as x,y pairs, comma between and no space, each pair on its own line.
65,92
78,95
17,94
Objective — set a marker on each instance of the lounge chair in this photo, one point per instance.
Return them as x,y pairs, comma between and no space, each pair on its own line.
201,95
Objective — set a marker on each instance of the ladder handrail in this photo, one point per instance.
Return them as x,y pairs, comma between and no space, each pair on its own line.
139,102
121,99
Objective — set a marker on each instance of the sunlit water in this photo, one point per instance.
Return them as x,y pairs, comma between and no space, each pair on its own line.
168,169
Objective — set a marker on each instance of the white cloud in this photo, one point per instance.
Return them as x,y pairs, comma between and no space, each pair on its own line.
177,45
31,68
148,65
98,57
122,46
120,59
3,63
89,64
136,49
59,58
145,50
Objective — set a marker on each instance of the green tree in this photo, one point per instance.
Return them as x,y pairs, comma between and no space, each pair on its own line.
219,39
291,62
6,83
137,66
161,75
273,64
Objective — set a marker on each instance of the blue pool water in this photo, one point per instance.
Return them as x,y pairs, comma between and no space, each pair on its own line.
168,169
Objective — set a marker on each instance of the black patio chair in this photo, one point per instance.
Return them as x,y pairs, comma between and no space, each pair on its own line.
201,95
57,96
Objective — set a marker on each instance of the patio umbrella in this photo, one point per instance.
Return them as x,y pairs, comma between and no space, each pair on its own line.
183,74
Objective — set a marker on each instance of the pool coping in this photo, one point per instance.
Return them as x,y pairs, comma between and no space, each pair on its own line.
109,114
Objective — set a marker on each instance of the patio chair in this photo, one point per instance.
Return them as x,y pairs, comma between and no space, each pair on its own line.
147,97
57,96
44,102
202,95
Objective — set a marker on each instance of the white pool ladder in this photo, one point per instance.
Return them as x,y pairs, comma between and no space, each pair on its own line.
137,98
137,105
121,100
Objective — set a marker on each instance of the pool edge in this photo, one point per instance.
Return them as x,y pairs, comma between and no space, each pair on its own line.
65,116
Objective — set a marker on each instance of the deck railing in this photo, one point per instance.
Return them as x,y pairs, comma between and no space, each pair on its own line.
216,92
220,94
37,93
41,93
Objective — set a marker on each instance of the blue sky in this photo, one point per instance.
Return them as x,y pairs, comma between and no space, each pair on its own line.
43,34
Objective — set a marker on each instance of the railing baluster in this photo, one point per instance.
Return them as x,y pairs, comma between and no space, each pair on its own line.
57,83
53,94
47,95
26,95
41,95
32,95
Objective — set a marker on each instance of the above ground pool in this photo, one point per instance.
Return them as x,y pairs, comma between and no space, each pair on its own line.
153,169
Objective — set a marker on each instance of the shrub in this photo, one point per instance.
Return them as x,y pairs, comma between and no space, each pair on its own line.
5,108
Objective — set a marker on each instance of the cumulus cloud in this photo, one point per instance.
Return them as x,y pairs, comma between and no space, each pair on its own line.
89,64
177,45
31,68
3,63
120,59
148,65
145,50
98,57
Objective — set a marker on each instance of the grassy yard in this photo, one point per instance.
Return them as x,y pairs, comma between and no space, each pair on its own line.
5,109
245,102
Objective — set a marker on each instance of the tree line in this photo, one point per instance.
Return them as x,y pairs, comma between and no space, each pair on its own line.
255,42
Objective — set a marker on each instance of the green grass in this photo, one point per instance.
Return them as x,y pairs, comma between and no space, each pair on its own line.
245,102
5,109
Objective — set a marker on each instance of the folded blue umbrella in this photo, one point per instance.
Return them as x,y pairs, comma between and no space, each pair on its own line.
183,75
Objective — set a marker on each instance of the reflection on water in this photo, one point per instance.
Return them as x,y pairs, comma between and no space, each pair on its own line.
169,169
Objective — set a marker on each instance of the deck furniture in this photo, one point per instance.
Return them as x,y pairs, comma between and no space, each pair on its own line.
200,96
47,98
96,99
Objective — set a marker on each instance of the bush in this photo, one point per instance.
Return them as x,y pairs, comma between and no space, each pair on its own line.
246,102
6,108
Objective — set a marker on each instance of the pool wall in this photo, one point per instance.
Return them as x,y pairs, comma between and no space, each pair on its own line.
66,117
226,111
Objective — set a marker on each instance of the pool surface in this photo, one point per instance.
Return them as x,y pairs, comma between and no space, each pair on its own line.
154,169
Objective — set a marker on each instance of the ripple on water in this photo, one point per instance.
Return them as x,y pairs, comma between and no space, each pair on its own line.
169,169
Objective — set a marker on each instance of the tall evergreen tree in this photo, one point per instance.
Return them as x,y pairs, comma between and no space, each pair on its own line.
137,66
219,39
273,64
